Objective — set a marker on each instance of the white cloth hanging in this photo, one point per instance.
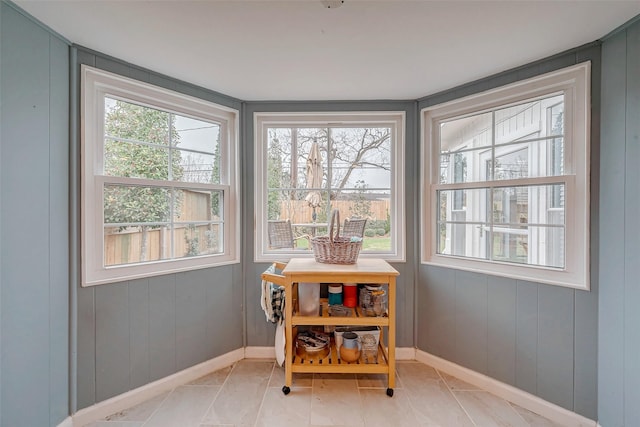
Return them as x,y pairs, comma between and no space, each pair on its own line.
272,303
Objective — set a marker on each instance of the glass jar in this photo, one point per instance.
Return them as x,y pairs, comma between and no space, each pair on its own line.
373,300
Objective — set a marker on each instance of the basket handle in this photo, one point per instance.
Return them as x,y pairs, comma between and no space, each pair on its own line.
335,218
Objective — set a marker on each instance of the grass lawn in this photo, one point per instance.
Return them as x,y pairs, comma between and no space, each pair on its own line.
376,244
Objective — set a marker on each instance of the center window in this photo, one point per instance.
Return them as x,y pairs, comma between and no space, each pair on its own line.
312,165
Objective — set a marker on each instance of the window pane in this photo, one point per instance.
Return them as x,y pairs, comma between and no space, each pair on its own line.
462,239
129,245
530,159
279,159
136,205
293,205
132,160
302,142
510,244
196,135
467,132
197,239
360,154
369,176
198,159
530,245
372,205
197,205
512,162
533,119
540,204
511,205
189,166
125,120
288,156
556,117
304,137
311,229
461,228
555,157
463,205
466,166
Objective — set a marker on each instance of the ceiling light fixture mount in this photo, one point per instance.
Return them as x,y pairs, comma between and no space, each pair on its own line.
332,4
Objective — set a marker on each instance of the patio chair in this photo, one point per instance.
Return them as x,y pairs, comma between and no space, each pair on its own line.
353,227
281,235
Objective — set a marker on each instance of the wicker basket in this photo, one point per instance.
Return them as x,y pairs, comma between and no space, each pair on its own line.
333,249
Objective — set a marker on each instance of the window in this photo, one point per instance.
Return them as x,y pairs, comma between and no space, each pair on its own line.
506,180
158,180
311,163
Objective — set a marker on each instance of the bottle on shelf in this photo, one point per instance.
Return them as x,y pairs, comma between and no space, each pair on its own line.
350,295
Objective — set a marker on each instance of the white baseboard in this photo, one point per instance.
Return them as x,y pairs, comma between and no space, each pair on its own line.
260,352
133,397
512,394
405,353
67,422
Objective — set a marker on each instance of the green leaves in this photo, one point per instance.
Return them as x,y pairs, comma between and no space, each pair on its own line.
136,145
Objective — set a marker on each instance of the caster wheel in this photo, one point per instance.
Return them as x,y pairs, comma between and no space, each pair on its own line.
390,392
286,390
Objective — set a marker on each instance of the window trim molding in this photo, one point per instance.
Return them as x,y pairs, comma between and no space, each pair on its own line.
263,119
95,84
575,82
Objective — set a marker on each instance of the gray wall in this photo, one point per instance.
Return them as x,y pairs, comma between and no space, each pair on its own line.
261,333
34,283
539,338
619,327
135,332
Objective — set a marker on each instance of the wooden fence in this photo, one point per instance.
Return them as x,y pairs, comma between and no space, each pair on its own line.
299,211
125,247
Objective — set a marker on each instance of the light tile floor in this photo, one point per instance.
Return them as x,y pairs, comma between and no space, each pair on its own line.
249,394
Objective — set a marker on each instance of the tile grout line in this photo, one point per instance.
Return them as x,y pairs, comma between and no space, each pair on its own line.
313,379
158,407
518,413
361,402
233,367
264,395
456,398
413,410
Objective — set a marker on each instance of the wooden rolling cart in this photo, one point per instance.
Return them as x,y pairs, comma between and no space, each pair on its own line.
366,270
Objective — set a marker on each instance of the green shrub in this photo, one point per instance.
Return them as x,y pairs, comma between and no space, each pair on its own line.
380,231
369,232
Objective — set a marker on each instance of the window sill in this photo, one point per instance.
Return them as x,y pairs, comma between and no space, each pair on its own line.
548,276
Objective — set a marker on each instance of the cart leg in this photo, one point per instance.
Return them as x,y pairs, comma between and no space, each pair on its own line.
288,373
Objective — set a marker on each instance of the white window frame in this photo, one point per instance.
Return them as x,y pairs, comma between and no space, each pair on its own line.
96,84
395,119
575,83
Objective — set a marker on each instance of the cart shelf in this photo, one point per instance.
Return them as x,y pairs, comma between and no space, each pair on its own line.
357,317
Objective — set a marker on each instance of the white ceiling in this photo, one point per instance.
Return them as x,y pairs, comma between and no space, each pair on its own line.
300,50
